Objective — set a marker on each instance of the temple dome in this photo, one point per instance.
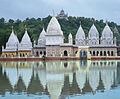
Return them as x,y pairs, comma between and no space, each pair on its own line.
70,39
12,41
93,33
80,33
26,43
107,33
54,27
25,38
42,34
41,39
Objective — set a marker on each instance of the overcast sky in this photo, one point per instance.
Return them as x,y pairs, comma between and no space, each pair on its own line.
98,9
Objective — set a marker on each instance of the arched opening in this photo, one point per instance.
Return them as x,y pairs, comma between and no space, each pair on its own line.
44,53
23,55
108,53
37,54
83,54
40,52
97,53
90,52
93,53
112,53
20,55
65,53
100,53
75,52
105,53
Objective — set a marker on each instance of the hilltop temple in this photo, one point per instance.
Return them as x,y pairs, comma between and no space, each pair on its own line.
62,15
51,43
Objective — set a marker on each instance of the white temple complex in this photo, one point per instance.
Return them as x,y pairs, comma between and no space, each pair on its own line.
51,43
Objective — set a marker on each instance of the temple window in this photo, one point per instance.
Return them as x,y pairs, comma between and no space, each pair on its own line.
40,52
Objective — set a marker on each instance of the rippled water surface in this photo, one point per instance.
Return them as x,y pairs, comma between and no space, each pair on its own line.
60,80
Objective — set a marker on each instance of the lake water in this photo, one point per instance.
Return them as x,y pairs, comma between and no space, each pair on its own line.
60,80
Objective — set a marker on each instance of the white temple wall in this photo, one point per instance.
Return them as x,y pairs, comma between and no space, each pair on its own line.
54,40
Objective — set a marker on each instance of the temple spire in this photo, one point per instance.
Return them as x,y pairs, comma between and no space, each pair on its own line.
80,24
53,12
70,39
25,28
106,22
93,20
12,29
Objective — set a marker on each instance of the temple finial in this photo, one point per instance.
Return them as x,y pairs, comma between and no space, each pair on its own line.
12,29
106,22
80,23
25,28
93,20
53,12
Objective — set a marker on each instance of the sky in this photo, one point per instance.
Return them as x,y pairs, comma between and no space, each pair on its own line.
98,9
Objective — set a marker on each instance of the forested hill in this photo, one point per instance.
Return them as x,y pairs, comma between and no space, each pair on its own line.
35,27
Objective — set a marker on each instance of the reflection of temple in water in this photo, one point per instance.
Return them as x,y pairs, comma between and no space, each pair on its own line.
5,84
59,79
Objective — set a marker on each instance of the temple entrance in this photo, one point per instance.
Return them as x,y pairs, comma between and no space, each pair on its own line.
83,54
65,53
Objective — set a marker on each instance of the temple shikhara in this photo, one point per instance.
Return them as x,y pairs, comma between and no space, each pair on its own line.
51,43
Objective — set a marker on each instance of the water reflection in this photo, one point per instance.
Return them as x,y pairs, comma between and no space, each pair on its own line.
60,79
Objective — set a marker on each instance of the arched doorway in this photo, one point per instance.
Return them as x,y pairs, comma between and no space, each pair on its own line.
108,53
112,53
20,55
40,52
90,52
83,54
93,53
97,53
44,53
65,53
100,53
105,53
23,55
